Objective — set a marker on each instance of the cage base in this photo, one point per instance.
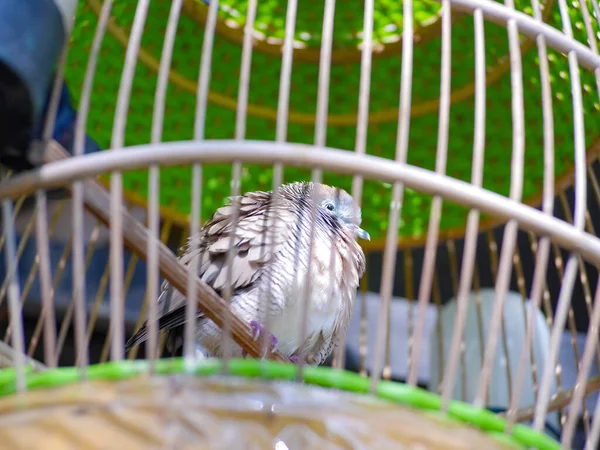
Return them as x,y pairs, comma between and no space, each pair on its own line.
221,412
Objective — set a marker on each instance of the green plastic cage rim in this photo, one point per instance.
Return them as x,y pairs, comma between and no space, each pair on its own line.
521,436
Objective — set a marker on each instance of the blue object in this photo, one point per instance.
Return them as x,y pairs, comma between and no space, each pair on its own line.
64,125
64,133
32,35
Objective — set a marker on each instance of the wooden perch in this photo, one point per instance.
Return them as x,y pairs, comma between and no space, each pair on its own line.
136,236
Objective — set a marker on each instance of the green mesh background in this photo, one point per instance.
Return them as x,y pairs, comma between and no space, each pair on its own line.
264,84
387,19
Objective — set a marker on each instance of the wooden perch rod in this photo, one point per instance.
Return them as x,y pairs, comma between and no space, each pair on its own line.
136,236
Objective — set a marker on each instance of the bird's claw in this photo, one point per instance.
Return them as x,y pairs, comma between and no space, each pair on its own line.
257,331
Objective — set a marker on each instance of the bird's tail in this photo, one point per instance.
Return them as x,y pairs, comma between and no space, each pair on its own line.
140,336
168,322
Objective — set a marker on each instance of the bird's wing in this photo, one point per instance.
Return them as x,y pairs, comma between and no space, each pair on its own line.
260,231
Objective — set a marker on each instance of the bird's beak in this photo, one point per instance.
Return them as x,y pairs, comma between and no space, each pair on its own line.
362,234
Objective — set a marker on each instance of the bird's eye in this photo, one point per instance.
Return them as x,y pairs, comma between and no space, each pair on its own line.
330,206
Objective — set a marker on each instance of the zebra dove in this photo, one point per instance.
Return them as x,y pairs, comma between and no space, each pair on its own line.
269,270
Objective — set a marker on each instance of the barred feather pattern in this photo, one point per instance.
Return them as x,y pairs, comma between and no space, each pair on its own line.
269,271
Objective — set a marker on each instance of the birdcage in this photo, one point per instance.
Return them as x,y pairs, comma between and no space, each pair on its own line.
465,130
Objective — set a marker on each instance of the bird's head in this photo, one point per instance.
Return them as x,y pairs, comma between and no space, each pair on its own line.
337,204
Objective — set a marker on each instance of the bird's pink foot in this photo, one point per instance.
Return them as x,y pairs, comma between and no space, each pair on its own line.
258,330
294,359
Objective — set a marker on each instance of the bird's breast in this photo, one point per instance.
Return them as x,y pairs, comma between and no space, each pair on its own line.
322,307
322,295
322,299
